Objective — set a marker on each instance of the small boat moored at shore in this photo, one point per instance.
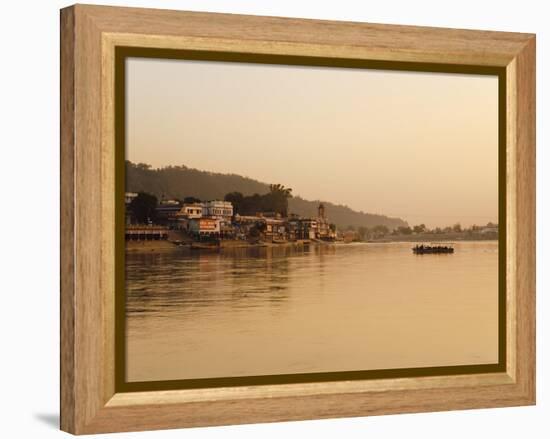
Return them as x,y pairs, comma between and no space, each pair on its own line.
432,249
205,246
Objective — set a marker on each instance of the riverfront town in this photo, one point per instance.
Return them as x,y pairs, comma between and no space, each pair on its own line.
260,220
204,224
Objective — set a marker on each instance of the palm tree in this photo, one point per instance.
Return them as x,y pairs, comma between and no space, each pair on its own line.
280,189
280,195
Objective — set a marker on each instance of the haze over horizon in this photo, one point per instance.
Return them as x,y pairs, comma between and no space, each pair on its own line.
419,146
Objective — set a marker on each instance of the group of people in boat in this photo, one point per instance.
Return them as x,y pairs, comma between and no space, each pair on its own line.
433,249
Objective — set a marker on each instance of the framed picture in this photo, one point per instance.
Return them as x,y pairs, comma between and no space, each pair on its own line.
269,219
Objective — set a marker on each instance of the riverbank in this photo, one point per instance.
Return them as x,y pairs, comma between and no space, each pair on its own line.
150,246
168,245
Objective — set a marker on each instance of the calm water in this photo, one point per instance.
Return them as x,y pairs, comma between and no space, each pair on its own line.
330,308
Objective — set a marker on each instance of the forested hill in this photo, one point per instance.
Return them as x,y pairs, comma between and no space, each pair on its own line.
179,182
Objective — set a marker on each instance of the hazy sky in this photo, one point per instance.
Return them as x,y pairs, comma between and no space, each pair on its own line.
420,146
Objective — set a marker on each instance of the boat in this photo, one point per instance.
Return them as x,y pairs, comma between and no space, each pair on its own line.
205,246
432,249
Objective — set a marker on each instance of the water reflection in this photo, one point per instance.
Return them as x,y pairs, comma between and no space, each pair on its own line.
193,314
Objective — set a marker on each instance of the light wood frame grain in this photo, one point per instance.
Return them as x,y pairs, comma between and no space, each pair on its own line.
89,36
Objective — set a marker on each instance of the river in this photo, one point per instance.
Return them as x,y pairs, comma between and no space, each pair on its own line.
264,311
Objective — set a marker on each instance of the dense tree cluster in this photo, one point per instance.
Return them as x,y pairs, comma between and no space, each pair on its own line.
276,201
143,208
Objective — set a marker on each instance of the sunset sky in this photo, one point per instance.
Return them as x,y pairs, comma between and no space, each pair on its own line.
419,146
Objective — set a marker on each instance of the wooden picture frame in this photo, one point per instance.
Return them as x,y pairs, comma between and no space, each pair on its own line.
91,401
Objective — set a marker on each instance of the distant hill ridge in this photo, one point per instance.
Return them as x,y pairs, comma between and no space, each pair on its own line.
180,181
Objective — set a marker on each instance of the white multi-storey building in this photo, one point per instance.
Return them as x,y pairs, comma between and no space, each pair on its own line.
191,210
218,209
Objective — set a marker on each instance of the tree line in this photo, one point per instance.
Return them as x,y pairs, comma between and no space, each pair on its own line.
380,231
143,206
276,201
